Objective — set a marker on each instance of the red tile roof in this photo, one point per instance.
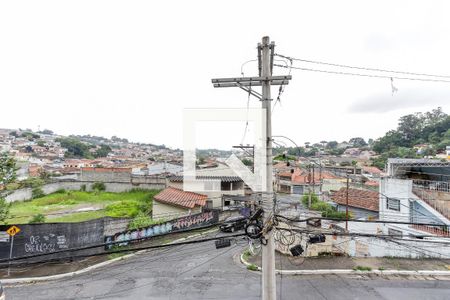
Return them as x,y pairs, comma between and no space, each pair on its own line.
372,170
364,199
372,183
177,197
300,176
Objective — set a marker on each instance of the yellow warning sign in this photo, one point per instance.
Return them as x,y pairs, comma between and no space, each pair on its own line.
13,230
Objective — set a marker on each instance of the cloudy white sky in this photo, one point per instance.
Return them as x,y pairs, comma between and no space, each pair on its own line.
129,68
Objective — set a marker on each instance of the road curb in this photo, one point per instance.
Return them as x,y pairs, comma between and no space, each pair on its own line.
353,272
13,281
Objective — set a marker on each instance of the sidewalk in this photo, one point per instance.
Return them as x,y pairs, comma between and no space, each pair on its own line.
339,264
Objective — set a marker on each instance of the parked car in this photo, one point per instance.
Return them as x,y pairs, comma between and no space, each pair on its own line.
2,292
233,224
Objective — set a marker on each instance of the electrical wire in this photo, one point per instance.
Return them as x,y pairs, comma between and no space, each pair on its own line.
361,68
364,75
116,251
359,221
108,295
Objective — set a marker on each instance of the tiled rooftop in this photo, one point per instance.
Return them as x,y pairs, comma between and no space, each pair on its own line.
177,197
364,199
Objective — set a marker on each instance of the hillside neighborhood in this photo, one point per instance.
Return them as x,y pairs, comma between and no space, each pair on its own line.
248,150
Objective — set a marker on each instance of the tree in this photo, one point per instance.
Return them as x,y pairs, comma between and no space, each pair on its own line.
358,142
98,186
75,148
247,162
7,175
332,145
46,131
429,127
103,151
7,169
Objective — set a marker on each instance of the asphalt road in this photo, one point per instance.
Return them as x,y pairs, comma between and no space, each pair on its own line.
199,271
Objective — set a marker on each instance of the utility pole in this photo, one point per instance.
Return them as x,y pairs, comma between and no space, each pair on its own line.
265,80
268,251
346,205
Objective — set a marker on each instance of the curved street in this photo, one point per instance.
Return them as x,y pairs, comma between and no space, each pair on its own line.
199,271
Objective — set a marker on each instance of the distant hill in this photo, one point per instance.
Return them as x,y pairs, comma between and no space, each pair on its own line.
429,130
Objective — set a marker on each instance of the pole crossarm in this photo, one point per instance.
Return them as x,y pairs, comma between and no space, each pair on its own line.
258,79
248,83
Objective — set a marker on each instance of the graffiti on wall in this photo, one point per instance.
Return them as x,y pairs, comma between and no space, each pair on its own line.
190,222
45,243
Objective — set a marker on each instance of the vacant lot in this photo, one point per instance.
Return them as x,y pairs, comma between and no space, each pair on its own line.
76,206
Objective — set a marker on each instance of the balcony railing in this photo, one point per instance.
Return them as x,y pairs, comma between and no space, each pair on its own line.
433,230
434,193
441,186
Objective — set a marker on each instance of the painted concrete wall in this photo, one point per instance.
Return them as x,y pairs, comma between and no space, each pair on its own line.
398,189
165,211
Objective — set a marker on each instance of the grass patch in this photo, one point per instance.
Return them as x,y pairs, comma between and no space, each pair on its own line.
381,269
126,204
78,217
362,268
246,254
252,267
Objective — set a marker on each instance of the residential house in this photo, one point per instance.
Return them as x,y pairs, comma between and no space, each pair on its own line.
361,203
221,185
172,203
416,191
302,181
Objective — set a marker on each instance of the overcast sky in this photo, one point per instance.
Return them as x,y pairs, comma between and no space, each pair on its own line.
129,68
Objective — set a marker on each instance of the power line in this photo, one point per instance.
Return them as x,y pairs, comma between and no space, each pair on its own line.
362,68
364,75
358,221
359,234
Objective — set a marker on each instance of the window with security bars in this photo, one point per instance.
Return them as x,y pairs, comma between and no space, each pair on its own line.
393,204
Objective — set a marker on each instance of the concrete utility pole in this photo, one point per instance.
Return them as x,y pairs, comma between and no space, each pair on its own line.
265,80
268,251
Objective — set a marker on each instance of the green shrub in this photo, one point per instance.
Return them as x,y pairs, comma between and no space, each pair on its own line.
321,206
362,268
98,186
305,199
83,188
37,192
32,182
336,214
142,220
128,209
39,218
60,191
246,254
252,267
